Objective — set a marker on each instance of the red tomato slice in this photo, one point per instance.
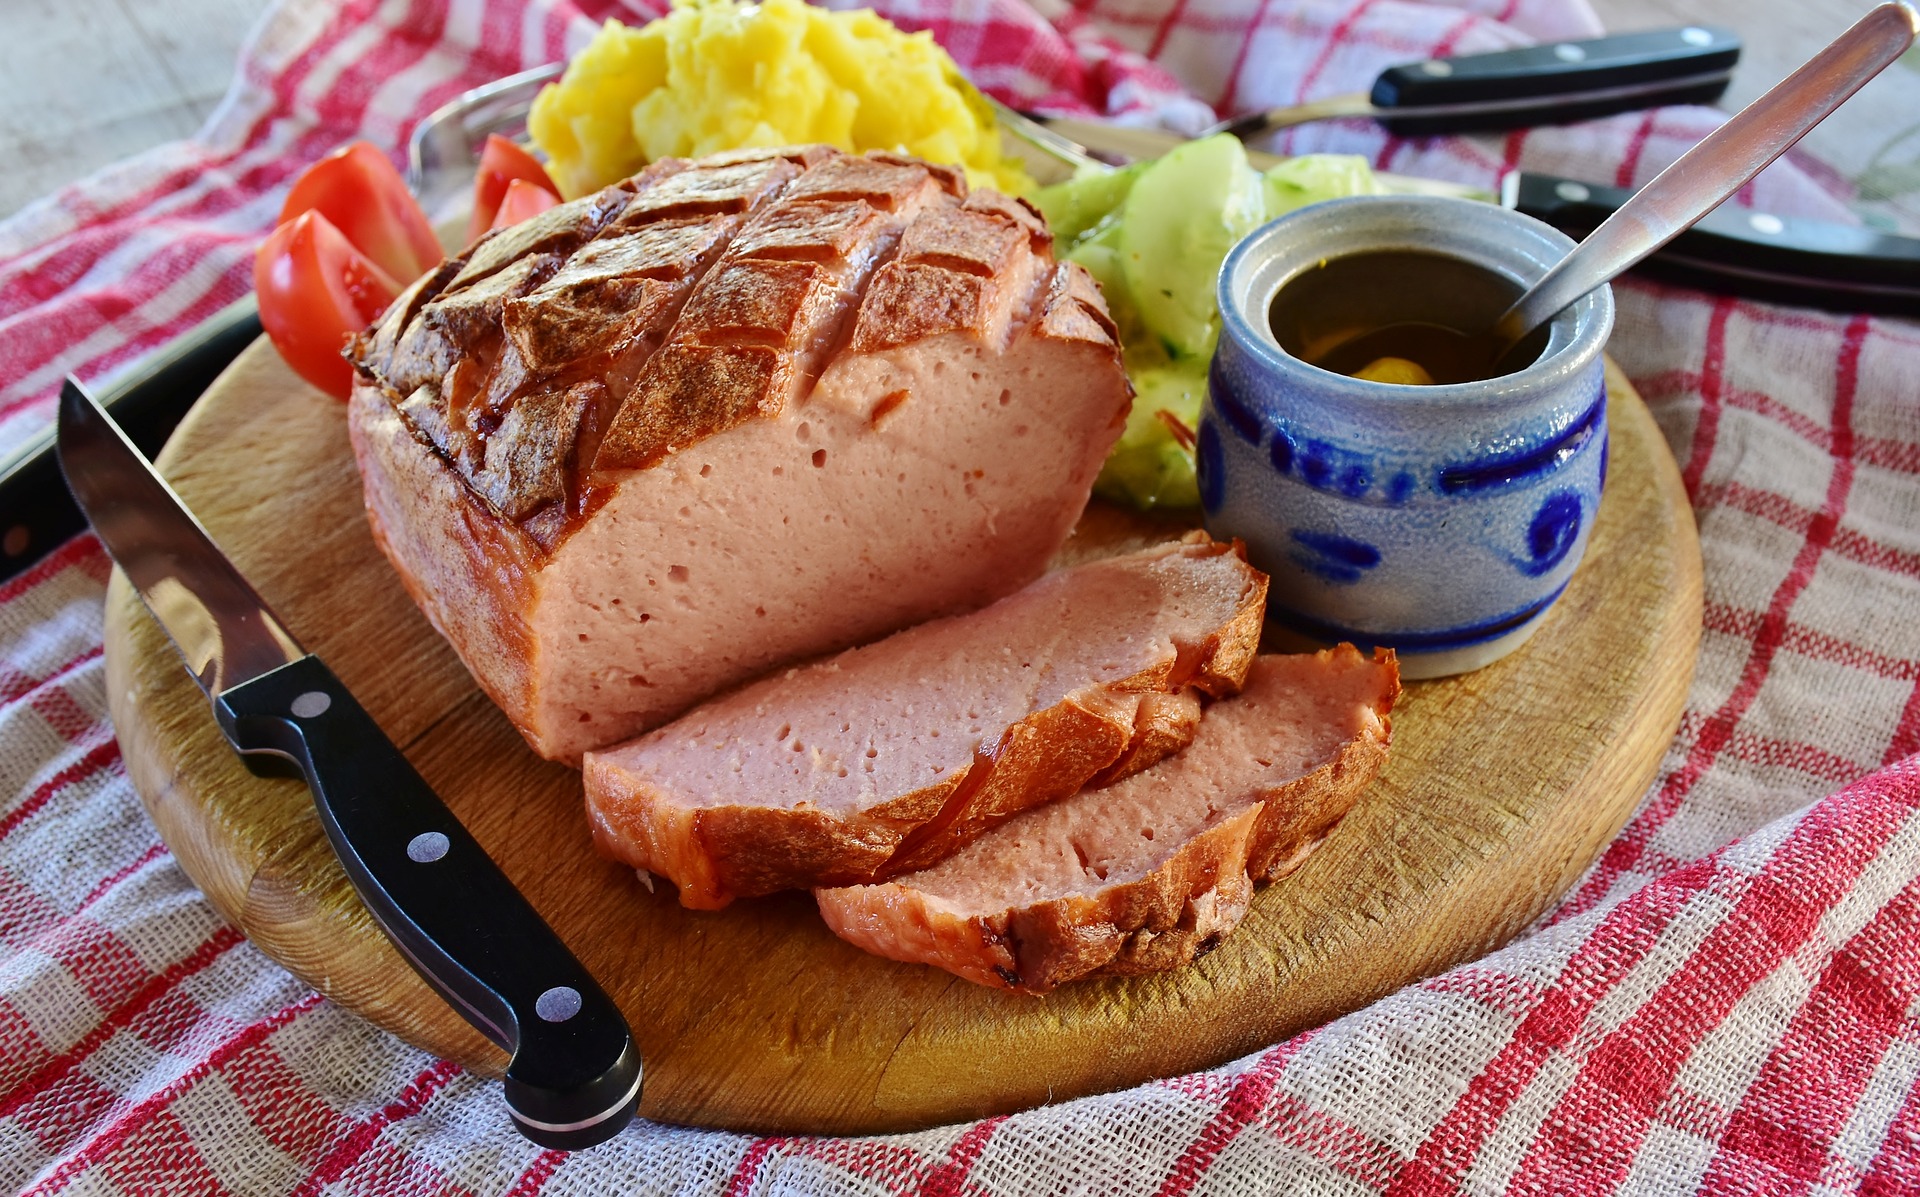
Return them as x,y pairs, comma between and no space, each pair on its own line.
522,200
363,197
501,162
315,291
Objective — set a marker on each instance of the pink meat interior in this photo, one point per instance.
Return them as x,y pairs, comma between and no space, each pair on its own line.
877,722
1294,715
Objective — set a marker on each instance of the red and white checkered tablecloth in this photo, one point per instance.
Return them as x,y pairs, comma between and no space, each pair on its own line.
1727,1002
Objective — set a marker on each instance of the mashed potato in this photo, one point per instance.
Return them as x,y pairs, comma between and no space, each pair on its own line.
717,75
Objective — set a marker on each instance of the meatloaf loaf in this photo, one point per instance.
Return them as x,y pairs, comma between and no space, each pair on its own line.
724,415
886,758
1151,872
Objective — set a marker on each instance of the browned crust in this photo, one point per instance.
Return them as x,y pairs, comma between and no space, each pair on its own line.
910,301
951,179
1163,724
1219,667
887,181
809,230
710,188
1075,309
716,854
613,290
965,242
467,569
689,393
1016,211
375,350
554,325
524,467
1167,919
785,285
558,230
481,465
1042,758
764,247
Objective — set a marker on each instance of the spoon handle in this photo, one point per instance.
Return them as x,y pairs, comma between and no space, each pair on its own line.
1720,164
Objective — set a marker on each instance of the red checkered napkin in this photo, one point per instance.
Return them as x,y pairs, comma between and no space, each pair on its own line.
1726,1002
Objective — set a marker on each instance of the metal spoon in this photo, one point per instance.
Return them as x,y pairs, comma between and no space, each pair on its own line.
1702,178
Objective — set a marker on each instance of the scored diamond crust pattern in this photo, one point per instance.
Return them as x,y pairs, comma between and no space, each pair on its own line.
1725,1002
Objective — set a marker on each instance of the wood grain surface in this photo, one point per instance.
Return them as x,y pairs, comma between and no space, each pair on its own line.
1503,786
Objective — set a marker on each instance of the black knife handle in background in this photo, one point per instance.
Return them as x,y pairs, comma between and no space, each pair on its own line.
1782,259
36,512
574,1079
1556,83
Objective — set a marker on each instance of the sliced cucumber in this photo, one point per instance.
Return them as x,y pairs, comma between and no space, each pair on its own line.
1182,216
1150,467
1311,178
1154,236
1073,207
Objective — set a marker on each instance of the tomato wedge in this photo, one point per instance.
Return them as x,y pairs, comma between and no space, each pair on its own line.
502,162
523,200
364,198
315,291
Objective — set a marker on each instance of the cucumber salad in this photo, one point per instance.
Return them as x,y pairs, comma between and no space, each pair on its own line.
1155,235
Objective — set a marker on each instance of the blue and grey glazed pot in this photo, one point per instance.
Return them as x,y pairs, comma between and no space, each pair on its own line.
1441,521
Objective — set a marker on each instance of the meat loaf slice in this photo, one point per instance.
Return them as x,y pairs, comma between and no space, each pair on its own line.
725,415
887,757
1148,873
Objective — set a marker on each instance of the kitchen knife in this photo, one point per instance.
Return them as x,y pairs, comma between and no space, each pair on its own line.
574,1077
1784,259
36,512
1549,84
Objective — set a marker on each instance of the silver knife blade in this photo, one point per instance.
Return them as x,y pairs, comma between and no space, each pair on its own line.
222,628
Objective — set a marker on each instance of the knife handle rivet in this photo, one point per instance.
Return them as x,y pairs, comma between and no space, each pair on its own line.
1437,68
16,541
1693,35
1572,192
427,847
312,704
558,1004
1767,224
1568,52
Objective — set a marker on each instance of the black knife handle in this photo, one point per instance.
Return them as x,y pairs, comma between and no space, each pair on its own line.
36,512
574,1078
1783,259
1559,82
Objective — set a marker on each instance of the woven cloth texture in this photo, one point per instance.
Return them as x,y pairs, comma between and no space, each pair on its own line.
1726,1002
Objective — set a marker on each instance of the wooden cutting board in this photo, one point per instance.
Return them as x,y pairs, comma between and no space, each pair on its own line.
1503,786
